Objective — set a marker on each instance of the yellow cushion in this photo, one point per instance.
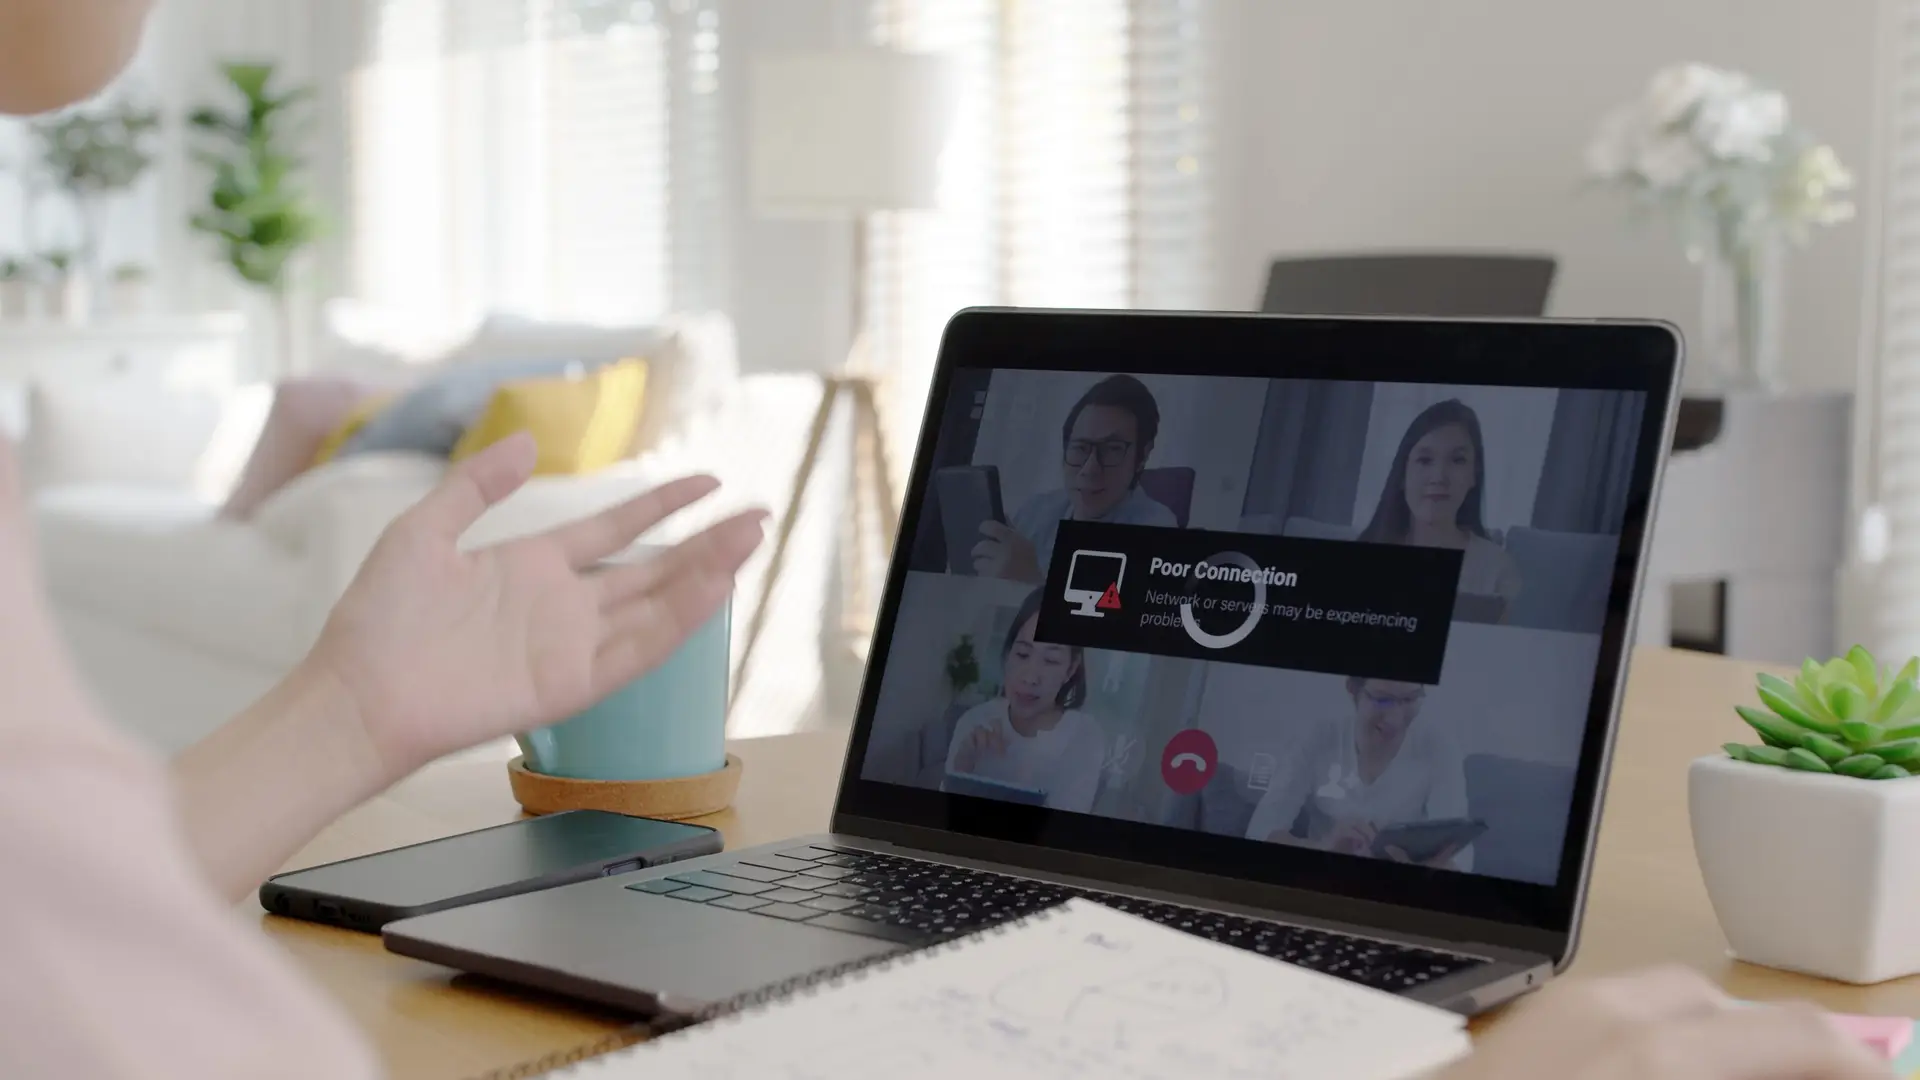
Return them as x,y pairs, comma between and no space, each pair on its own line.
580,424
350,427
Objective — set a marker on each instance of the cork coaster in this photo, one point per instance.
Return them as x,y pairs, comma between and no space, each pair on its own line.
674,799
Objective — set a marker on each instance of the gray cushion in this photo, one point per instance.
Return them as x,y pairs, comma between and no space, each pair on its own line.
431,417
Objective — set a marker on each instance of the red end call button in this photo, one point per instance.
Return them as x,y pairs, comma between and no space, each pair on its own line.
1189,761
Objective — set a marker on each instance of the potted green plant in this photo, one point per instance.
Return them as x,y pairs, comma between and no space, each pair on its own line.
963,671
67,295
95,155
1804,838
16,288
256,209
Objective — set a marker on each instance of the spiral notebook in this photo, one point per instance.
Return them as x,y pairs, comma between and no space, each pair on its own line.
1079,991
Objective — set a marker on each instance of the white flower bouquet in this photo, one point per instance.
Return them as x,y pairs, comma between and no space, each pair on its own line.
1721,152
1720,155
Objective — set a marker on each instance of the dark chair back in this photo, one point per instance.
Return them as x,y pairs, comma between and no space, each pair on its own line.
1438,284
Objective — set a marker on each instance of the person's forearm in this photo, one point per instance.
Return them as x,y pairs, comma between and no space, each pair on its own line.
258,789
56,52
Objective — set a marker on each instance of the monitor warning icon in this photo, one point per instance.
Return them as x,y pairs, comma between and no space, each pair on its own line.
1093,582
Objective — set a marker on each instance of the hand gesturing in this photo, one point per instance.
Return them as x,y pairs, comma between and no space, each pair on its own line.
441,649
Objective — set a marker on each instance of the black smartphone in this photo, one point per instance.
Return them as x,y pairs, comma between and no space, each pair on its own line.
1421,841
968,496
506,860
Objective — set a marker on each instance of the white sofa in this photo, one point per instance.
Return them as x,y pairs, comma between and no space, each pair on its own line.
178,617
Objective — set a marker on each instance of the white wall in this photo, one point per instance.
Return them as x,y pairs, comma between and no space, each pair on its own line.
1344,124
1356,124
789,280
176,71
134,229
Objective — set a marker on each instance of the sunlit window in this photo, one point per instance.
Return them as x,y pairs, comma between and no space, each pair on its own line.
1077,175
553,157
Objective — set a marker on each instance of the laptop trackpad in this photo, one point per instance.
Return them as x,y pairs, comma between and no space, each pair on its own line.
632,943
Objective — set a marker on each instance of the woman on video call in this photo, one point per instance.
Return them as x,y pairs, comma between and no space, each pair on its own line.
1432,498
1034,735
1358,775
1104,446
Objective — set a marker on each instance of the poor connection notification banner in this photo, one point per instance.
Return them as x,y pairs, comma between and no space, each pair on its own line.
1377,611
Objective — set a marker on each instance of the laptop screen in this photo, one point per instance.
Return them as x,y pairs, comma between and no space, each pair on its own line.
1324,619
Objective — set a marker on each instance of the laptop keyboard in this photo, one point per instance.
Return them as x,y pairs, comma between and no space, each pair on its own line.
916,902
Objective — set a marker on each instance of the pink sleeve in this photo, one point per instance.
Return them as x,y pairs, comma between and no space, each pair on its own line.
116,959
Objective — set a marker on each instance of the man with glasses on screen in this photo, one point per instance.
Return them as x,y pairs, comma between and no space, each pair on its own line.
1105,443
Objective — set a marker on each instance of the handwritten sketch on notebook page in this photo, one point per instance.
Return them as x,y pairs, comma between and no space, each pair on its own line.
1086,993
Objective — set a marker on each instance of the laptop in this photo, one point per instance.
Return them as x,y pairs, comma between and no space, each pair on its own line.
1204,711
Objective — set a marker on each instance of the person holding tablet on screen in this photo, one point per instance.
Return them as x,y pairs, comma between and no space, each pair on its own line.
1432,498
1358,776
1104,445
1034,736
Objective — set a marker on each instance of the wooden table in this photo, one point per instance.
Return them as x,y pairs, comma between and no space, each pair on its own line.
1648,905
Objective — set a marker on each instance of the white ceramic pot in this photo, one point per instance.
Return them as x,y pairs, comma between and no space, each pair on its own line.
69,299
127,298
1810,872
16,299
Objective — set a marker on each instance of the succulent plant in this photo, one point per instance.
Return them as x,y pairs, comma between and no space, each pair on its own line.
1846,716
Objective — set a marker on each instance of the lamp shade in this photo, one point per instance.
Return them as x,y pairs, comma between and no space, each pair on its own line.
847,131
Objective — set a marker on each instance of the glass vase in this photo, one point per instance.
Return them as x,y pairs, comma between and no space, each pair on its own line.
1741,323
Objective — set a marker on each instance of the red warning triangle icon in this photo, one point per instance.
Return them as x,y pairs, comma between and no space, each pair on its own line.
1110,600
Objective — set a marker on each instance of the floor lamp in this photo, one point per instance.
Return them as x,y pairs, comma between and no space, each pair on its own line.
841,135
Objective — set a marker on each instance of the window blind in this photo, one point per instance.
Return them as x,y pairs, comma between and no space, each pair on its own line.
553,157
1890,385
1076,176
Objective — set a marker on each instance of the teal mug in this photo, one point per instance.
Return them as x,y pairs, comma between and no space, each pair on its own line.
670,722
